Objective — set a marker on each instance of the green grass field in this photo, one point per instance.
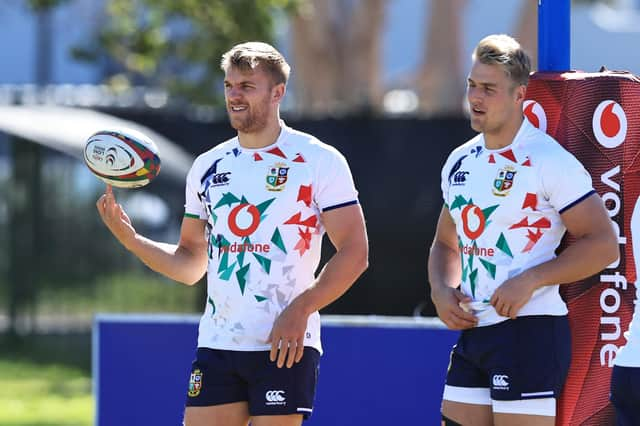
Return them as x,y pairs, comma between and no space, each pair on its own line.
36,394
45,378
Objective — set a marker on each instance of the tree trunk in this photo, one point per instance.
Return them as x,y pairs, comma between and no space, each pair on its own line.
336,49
526,31
440,83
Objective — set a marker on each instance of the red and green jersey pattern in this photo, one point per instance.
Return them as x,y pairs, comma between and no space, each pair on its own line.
264,231
506,205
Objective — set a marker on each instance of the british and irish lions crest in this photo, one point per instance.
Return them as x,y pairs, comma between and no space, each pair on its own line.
277,177
195,383
503,181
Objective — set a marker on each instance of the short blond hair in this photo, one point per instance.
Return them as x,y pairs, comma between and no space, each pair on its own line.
248,56
504,50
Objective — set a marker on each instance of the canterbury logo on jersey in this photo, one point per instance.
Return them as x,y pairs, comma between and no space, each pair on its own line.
220,179
456,167
460,178
500,381
212,178
275,397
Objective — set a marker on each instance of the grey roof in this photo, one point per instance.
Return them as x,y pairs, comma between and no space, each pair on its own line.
67,129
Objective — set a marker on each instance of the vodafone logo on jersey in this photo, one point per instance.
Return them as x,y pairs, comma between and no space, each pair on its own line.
609,124
244,219
535,114
473,221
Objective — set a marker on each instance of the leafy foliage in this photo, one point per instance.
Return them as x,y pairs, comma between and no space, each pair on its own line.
43,5
177,44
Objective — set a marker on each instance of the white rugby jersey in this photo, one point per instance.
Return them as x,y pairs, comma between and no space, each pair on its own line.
629,354
264,233
506,204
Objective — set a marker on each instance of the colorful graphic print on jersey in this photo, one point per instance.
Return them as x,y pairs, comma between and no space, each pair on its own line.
261,210
243,217
493,250
475,220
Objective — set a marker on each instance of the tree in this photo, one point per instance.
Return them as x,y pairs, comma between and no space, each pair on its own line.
177,44
526,30
173,43
337,54
440,81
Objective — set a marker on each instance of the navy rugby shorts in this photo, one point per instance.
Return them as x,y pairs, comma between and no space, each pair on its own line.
625,395
221,377
525,358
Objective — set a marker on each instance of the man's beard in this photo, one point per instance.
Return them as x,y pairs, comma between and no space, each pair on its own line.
254,120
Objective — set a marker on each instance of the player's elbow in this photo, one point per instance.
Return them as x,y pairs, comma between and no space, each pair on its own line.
193,280
364,262
360,258
604,245
190,275
191,264
195,277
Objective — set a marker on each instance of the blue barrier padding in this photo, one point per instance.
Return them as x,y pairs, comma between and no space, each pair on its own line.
371,373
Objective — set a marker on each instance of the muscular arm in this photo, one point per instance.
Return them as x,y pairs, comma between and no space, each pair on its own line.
445,274
346,229
594,248
185,262
444,258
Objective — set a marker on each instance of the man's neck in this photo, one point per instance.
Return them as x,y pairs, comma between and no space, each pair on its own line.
265,137
505,136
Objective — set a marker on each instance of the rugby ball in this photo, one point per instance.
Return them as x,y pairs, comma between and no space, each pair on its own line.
124,158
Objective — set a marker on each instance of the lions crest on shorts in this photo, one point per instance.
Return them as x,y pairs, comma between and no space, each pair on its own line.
277,176
195,383
504,181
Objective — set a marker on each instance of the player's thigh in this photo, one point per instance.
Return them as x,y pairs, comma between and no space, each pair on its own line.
233,414
285,420
503,419
467,414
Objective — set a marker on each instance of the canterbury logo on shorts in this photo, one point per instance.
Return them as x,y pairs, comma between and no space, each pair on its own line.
500,381
275,397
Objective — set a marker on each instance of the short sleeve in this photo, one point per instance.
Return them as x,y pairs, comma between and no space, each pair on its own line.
335,187
444,183
452,165
193,206
565,181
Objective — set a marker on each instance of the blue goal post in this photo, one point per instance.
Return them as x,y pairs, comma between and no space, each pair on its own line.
554,35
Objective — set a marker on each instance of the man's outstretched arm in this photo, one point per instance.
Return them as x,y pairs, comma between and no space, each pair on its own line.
185,262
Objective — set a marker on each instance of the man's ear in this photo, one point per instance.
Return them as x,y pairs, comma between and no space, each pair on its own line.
278,91
521,92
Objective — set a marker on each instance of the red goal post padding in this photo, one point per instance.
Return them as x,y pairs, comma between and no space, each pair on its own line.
596,116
